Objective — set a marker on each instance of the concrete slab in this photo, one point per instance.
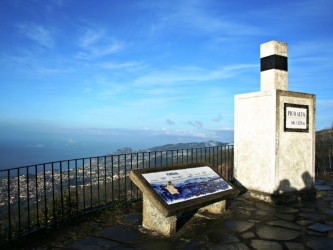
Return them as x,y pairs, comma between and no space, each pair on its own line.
319,243
93,243
285,224
274,233
320,227
238,226
120,234
263,244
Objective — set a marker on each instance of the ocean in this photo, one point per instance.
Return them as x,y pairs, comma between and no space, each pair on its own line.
18,149
18,156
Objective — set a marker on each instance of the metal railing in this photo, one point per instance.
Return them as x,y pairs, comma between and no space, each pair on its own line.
324,158
43,195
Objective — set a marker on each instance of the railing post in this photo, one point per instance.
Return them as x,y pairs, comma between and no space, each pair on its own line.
9,208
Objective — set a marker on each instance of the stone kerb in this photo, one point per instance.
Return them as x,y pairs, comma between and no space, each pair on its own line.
169,192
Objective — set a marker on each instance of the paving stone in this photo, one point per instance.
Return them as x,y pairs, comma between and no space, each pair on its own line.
284,209
263,244
250,208
320,227
274,233
230,246
265,206
309,210
314,233
92,244
158,244
323,187
134,219
294,246
329,222
238,226
319,181
284,216
286,224
313,216
330,234
254,221
245,201
328,198
192,246
319,243
248,235
262,213
328,211
244,212
120,233
222,237
304,222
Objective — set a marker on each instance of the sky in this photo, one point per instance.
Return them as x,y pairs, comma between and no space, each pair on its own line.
171,67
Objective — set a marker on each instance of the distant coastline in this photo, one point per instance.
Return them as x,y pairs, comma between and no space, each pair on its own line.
12,156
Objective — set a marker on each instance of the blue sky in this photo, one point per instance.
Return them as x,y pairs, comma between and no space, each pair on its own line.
168,67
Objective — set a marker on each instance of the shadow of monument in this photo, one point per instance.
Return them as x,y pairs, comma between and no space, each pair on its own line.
285,192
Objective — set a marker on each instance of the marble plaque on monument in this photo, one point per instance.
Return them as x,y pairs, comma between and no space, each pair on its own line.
296,118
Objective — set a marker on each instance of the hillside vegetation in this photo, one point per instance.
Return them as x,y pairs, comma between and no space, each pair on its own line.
324,151
324,136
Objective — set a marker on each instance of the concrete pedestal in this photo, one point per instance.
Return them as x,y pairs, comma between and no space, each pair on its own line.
155,220
215,208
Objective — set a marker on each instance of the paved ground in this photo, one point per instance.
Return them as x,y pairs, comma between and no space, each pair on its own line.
247,224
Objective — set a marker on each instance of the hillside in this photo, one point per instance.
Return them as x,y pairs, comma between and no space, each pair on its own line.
189,145
324,136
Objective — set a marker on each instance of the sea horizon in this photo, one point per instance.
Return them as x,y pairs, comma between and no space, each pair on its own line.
27,153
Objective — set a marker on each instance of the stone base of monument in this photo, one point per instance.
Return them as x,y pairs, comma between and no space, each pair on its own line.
155,220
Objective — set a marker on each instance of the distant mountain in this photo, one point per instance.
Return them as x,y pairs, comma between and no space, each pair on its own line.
121,151
324,136
189,145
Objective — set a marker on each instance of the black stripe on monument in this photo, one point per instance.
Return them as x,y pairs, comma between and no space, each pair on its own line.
274,62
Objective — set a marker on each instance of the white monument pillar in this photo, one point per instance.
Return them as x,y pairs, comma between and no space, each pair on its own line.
275,133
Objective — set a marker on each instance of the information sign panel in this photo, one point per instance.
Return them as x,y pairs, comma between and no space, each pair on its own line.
177,189
184,184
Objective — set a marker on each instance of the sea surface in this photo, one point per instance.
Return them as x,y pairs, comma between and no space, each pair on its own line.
23,147
18,155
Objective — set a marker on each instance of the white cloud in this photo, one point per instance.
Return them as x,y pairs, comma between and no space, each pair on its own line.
91,37
132,65
187,74
101,50
198,17
96,43
37,33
